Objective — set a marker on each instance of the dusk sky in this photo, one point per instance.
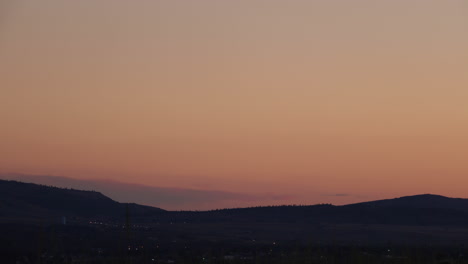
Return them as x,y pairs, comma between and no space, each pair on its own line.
293,101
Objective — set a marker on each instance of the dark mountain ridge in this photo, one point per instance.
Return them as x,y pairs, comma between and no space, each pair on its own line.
31,219
23,200
419,201
18,199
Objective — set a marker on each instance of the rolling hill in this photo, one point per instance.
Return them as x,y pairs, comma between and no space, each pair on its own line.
18,199
26,200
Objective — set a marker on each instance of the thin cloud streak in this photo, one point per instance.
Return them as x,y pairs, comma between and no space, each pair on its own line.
338,194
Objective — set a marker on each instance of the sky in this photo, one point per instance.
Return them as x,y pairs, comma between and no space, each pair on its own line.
304,101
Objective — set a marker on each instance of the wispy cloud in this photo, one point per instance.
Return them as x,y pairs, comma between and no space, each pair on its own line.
338,194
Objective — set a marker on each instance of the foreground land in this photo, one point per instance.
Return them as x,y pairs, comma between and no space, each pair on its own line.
193,243
42,224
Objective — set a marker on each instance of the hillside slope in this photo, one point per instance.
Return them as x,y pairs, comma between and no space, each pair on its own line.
19,199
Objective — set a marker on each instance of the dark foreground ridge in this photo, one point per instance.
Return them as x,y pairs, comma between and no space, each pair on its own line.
56,225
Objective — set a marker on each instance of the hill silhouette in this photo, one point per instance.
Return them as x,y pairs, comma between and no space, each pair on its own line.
23,200
26,209
419,201
162,197
18,199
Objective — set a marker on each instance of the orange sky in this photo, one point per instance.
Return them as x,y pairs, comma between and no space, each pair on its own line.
305,98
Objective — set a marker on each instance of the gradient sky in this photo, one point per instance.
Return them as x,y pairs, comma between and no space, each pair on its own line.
306,99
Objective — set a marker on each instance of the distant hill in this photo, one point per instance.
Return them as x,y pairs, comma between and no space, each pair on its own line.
157,196
30,216
18,199
23,200
419,201
422,210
